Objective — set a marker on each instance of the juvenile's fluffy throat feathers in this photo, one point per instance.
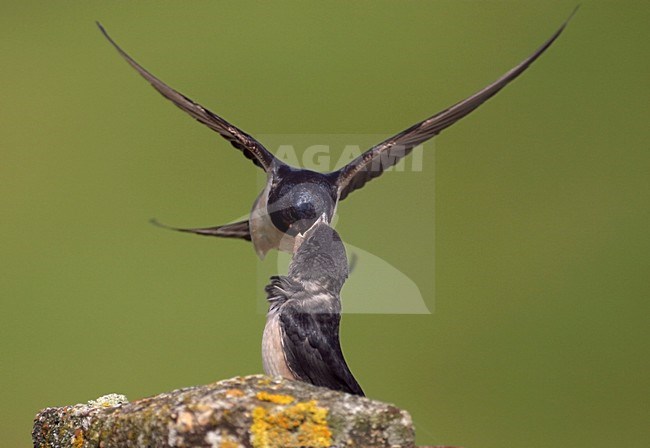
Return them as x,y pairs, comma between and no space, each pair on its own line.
279,291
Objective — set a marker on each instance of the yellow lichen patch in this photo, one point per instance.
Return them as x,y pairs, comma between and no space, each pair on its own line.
303,424
78,439
229,444
234,393
275,398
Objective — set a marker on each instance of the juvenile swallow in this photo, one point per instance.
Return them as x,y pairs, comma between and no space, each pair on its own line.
294,198
301,336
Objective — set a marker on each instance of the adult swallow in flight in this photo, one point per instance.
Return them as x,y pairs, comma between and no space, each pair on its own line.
294,198
301,335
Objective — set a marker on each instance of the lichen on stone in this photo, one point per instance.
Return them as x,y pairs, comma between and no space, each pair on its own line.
218,439
107,401
234,393
243,412
78,438
303,424
275,398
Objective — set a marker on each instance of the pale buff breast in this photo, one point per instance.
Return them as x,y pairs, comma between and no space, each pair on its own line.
273,358
264,234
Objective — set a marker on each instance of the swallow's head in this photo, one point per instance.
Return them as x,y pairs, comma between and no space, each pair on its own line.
319,261
295,205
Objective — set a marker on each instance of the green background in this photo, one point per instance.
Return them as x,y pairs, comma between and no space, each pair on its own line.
533,251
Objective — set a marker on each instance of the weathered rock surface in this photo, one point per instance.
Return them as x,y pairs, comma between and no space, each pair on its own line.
252,412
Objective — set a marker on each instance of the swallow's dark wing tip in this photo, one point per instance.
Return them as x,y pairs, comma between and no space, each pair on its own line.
104,32
560,30
573,13
161,225
155,222
239,229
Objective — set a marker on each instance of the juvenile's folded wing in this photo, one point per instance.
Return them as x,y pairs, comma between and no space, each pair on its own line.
313,351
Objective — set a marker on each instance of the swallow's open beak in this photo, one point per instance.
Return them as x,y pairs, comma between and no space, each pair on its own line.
303,236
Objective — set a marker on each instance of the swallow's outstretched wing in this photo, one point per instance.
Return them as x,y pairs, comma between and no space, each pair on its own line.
373,162
251,148
235,230
313,351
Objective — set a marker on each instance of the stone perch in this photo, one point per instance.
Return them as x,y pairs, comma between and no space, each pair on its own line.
244,412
